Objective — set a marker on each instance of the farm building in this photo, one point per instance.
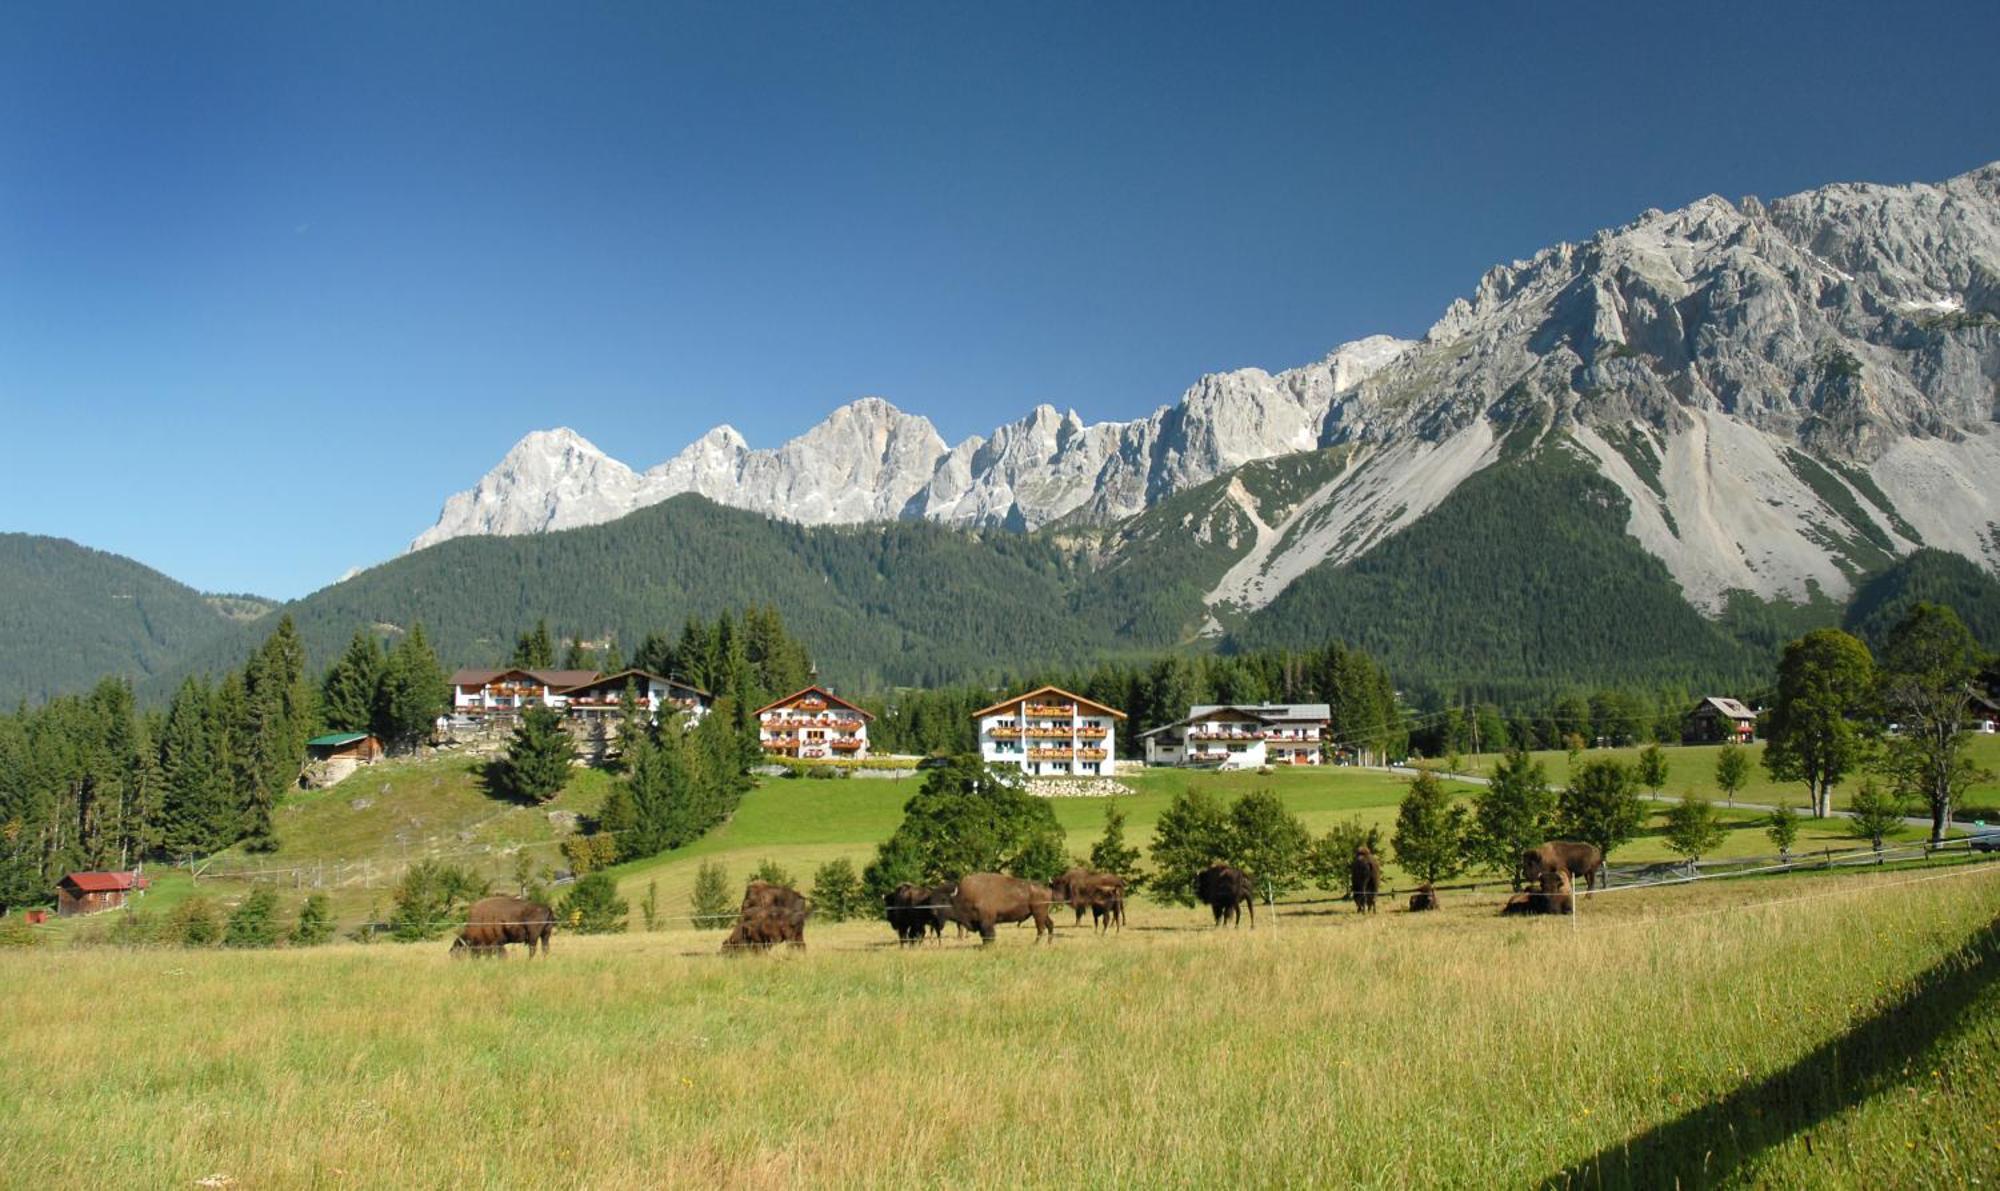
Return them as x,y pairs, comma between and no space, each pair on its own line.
813,725
93,893
1050,732
1242,736
603,696
334,756
1716,719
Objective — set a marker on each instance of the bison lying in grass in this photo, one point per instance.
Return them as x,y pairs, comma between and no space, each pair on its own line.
770,915
1554,893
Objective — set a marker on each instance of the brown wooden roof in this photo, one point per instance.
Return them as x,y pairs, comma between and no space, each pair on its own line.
821,691
1049,690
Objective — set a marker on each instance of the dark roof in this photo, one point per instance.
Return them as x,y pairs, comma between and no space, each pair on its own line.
555,680
104,882
619,680
821,691
335,739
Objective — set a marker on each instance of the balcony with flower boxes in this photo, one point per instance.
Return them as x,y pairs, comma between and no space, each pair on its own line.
1049,732
1005,732
1050,754
1224,734
844,745
1047,710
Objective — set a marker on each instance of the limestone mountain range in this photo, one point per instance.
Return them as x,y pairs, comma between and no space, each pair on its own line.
1788,394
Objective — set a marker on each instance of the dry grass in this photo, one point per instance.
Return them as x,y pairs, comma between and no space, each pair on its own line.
1666,1029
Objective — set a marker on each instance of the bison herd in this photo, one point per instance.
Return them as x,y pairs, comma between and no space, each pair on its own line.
775,914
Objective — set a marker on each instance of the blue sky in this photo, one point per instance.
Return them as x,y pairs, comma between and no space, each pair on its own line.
275,279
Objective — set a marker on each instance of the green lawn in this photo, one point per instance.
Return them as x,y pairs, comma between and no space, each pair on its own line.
1692,768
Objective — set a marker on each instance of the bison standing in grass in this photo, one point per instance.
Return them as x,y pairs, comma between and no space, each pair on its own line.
1225,889
1581,861
983,900
915,909
493,922
1103,894
770,915
1364,878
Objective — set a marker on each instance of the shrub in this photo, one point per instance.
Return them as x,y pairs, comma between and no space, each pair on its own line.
772,872
1513,813
836,892
649,906
1601,806
1876,813
1430,831
968,818
315,924
1330,863
192,924
15,932
1693,828
1110,854
1192,833
713,902
1269,842
587,853
430,899
1782,825
593,907
254,921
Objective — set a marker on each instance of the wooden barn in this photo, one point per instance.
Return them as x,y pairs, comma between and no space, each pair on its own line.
1716,720
93,893
335,756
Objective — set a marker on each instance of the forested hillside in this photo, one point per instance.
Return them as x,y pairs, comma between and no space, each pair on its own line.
70,615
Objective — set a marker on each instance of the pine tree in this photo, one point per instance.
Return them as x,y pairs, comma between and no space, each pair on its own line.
1110,854
539,755
534,651
837,895
348,693
413,691
195,811
254,922
712,901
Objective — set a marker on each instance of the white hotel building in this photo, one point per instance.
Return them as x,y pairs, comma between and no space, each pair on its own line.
1050,732
1245,736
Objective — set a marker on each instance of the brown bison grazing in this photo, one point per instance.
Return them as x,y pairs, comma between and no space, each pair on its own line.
770,915
1582,861
1225,889
984,900
1425,898
494,922
914,909
1364,877
1103,894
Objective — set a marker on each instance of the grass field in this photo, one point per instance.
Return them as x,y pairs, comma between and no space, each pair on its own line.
354,839
1692,768
1832,1029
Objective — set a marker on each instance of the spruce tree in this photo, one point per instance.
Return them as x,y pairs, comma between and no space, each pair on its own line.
537,764
413,691
1110,854
315,924
348,694
713,902
195,811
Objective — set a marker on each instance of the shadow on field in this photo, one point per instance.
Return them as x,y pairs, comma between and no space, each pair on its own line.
1707,1146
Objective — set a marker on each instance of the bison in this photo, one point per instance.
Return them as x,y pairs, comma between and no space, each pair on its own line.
1554,893
913,909
493,922
1103,894
1425,898
770,915
1225,889
1579,860
1364,878
984,900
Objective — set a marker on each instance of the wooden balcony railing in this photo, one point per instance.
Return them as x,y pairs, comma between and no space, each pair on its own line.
1048,709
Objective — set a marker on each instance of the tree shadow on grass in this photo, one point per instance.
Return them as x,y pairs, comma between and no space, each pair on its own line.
1709,1145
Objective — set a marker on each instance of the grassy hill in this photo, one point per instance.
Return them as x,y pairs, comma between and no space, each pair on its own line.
1822,1030
70,615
